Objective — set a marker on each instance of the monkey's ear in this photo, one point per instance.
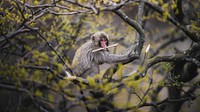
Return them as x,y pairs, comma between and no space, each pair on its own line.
92,37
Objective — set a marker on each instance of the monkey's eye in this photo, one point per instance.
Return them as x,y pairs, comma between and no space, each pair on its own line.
103,39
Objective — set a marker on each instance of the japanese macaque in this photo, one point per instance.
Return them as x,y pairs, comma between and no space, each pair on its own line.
86,62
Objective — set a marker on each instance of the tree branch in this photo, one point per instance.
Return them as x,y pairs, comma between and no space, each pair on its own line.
192,36
173,58
50,45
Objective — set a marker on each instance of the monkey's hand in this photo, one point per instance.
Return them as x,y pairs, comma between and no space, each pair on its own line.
133,51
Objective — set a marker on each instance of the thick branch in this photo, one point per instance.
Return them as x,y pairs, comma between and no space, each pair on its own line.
131,22
173,58
180,14
139,41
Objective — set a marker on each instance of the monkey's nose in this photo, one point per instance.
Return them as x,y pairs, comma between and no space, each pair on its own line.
103,44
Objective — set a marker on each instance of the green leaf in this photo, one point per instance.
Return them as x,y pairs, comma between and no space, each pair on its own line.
51,97
38,93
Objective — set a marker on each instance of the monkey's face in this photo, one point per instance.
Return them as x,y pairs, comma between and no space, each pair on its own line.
103,42
100,39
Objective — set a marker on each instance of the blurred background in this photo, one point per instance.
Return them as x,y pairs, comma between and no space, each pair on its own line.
38,38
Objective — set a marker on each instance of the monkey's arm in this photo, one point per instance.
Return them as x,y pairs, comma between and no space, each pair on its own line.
107,57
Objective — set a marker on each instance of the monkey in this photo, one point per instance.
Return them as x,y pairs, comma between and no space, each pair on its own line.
86,62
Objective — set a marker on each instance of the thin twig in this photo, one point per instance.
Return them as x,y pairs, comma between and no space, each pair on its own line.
50,45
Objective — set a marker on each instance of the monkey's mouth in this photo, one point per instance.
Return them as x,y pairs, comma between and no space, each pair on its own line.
103,44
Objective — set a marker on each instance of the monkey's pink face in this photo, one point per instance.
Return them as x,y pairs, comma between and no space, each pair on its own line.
103,42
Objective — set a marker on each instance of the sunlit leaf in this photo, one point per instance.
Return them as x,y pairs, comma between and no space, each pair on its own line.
38,93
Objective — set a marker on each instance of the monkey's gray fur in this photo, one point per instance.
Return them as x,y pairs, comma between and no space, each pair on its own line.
86,63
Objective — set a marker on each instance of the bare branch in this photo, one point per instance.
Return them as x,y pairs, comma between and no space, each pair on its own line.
37,67
131,22
64,13
14,33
